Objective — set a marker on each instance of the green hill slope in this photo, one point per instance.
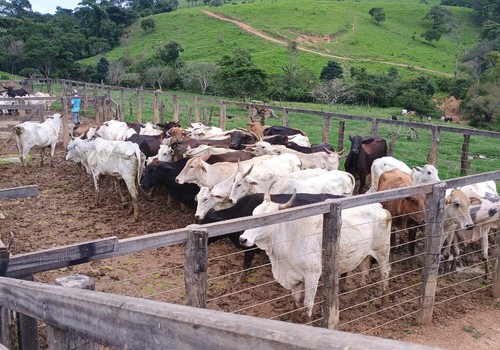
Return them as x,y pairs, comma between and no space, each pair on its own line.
329,28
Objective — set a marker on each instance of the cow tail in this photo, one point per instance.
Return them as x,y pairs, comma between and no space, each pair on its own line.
141,160
18,130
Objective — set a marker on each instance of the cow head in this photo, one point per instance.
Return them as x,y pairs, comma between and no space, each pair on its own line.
456,210
356,143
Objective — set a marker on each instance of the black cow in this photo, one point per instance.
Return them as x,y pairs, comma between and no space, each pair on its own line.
245,206
313,149
169,125
148,144
164,174
11,92
231,157
240,138
363,152
282,130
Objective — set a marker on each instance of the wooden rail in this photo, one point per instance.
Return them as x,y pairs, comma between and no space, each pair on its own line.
132,323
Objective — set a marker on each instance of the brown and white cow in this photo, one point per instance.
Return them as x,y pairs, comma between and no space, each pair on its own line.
406,210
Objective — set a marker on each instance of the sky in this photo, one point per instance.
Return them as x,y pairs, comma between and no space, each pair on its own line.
49,6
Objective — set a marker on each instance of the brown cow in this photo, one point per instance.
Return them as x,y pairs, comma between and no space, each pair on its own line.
403,210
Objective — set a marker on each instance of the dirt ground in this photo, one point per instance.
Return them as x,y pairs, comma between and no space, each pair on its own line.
63,214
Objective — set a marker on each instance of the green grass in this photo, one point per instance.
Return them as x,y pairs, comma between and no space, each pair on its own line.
347,24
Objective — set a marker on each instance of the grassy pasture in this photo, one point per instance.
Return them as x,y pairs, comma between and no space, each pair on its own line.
335,28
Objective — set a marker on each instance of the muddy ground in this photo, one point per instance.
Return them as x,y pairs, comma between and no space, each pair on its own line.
63,214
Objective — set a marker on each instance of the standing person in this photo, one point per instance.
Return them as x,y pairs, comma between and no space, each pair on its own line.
75,107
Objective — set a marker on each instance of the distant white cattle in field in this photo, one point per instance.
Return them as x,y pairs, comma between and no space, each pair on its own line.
295,247
30,134
120,159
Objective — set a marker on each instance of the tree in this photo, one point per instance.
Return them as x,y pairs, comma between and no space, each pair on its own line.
492,72
239,77
439,16
201,72
102,68
169,54
148,25
378,14
115,72
158,75
482,102
332,70
431,35
333,91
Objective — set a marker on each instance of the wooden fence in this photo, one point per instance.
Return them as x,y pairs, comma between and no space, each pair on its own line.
82,320
111,102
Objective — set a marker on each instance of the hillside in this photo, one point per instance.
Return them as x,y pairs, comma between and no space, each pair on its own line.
322,29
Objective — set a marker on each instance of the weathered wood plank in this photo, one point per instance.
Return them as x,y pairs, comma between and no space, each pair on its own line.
28,329
195,267
495,292
18,192
332,223
435,214
132,323
30,263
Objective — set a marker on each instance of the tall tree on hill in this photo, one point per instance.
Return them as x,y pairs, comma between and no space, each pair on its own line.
239,77
332,70
378,14
169,54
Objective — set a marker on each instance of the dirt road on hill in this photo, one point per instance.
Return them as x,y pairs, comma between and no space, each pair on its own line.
255,32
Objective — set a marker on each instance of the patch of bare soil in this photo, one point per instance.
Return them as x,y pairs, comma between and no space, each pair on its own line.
63,214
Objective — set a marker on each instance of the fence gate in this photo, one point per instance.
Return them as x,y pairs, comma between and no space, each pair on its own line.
11,115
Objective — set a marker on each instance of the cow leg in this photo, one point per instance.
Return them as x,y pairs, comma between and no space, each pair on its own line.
52,153
296,294
41,155
342,282
96,178
385,269
132,189
310,286
484,246
118,188
365,267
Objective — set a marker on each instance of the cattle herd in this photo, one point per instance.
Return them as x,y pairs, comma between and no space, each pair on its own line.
223,175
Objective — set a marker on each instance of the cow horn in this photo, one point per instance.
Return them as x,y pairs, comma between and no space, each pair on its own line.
248,171
257,137
339,153
290,201
267,195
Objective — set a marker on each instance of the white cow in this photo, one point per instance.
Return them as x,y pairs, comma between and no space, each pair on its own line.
294,247
332,182
218,197
120,159
201,173
30,134
456,217
322,160
420,175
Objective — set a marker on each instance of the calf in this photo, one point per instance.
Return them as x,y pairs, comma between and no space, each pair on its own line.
30,134
11,92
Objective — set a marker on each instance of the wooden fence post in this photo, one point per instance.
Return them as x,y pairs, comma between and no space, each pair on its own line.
66,113
6,319
156,113
49,86
176,108
340,145
195,274
197,109
222,115
250,110
464,160
63,87
392,144
433,153
204,115
332,222
495,292
434,201
28,329
326,129
85,99
286,121
59,339
139,107
374,127
122,104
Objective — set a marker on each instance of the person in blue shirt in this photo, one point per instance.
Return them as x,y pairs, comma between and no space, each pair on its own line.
75,107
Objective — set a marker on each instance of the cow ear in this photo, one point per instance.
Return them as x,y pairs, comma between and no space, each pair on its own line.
475,201
203,168
417,168
350,138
